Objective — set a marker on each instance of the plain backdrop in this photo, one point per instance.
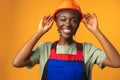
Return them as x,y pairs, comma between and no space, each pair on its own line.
19,20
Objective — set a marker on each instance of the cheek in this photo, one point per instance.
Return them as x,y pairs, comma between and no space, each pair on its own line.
58,23
58,26
75,27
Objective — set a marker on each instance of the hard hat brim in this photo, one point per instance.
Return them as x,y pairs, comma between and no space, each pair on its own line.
62,9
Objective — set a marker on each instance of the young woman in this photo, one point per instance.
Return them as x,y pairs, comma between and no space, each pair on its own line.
67,59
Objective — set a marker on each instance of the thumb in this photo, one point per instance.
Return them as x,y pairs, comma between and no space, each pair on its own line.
84,21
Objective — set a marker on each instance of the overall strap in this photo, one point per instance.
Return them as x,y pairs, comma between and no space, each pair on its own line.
79,45
69,57
45,71
54,44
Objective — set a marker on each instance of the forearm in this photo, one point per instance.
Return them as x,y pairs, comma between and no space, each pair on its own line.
24,53
112,54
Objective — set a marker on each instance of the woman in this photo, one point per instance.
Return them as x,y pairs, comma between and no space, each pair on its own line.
67,59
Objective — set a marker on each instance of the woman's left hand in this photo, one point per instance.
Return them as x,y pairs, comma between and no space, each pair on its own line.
90,21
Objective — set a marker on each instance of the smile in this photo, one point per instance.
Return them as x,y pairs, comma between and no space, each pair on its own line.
66,31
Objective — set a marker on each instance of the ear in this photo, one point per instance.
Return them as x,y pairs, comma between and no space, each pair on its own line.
57,26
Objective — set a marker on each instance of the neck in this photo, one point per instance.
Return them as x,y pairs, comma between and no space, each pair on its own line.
65,41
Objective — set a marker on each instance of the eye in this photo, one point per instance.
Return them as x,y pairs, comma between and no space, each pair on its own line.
63,20
74,20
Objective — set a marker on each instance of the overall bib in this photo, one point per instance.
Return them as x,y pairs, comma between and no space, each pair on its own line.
65,66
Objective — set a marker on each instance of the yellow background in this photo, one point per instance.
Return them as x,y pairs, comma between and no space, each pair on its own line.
19,20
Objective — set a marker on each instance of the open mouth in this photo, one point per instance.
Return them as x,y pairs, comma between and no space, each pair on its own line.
66,31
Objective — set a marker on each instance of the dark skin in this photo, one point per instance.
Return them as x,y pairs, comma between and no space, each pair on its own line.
68,24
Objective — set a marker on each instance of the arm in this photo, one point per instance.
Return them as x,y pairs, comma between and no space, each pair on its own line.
113,57
23,55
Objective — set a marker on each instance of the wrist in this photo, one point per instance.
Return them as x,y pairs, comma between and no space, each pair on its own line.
39,34
96,31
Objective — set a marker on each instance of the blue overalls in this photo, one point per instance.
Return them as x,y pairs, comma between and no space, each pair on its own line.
65,66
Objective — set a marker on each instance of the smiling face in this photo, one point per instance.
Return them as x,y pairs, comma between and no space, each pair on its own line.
67,23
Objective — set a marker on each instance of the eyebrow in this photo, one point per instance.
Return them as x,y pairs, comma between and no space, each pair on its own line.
66,16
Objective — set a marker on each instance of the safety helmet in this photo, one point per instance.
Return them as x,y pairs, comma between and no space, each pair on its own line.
67,5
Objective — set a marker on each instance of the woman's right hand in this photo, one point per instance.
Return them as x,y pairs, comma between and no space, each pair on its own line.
45,24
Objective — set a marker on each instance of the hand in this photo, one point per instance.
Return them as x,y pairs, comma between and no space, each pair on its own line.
45,23
90,21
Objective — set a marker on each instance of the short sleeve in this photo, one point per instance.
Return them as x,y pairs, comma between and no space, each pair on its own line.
35,56
40,54
99,58
94,55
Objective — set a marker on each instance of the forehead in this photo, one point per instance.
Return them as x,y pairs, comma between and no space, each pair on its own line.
68,13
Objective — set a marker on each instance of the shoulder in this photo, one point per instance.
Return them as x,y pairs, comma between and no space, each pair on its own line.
89,46
90,49
44,44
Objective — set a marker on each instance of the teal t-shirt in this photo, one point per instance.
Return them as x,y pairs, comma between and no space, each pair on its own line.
92,55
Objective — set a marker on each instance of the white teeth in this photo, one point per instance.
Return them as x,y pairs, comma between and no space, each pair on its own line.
67,31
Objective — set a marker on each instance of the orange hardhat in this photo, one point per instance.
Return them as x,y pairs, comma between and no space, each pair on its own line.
68,5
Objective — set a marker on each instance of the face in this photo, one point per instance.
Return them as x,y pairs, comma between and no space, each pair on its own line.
67,23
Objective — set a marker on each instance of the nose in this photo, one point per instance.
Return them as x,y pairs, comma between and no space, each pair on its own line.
68,24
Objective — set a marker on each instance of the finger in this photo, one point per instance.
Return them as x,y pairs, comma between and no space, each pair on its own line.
84,21
51,18
89,16
85,17
42,20
48,17
43,17
94,15
50,23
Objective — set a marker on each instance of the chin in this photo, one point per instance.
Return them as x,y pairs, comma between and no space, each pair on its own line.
67,37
